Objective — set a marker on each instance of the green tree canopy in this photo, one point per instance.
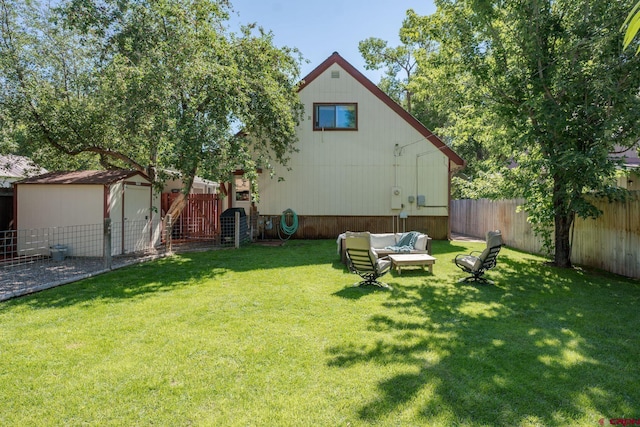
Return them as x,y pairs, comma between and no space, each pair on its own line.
633,25
397,60
549,82
149,85
401,64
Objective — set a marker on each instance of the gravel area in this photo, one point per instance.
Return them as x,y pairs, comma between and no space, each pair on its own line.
39,274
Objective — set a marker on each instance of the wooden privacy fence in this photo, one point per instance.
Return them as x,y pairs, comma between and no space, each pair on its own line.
200,218
610,242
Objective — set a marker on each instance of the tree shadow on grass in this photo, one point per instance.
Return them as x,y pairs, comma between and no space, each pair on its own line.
355,292
538,348
179,271
440,249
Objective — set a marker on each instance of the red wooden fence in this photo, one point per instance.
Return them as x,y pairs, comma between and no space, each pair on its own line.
200,219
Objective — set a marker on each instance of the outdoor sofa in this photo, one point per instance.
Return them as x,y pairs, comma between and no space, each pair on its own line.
383,244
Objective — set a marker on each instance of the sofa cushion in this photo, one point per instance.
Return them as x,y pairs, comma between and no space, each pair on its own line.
379,241
421,243
405,244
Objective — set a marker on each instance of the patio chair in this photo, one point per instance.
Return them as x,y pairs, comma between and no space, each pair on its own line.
477,265
362,261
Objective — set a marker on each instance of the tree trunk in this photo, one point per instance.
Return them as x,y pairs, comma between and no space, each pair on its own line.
562,256
563,218
177,206
180,202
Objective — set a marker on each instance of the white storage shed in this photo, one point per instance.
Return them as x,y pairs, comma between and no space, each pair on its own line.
70,208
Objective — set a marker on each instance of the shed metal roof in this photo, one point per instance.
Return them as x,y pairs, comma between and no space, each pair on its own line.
82,177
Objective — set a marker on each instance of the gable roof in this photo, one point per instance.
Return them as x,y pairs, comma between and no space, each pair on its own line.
335,58
82,177
629,155
13,166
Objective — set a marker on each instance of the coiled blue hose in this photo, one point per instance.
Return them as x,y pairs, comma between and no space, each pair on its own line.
288,230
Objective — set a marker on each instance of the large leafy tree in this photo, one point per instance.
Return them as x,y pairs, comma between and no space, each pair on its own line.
401,64
38,76
552,78
148,85
440,98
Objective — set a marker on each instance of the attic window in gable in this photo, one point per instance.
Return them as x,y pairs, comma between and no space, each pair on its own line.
335,116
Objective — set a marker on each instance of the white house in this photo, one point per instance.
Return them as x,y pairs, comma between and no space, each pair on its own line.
76,201
14,168
200,185
364,163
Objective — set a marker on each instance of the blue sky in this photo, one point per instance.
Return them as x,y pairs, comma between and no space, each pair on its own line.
320,27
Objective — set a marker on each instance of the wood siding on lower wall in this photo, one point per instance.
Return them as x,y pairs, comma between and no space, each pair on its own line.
329,227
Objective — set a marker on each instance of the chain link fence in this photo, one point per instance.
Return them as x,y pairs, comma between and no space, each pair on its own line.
36,259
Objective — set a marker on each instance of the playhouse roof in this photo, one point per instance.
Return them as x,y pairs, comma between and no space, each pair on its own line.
335,58
82,177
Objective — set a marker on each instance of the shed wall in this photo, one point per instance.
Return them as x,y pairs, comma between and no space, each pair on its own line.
41,206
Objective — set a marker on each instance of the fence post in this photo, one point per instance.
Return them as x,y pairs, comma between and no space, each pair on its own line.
237,229
168,226
106,238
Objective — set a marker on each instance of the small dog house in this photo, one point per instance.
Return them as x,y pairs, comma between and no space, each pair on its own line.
74,201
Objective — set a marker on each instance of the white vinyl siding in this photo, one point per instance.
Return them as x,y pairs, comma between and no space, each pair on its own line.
352,173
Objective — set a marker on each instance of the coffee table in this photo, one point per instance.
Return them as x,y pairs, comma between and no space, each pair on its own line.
401,260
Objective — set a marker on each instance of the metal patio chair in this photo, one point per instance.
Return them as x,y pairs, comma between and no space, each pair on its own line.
476,265
362,261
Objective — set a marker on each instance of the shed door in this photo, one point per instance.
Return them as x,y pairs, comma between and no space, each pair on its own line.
136,230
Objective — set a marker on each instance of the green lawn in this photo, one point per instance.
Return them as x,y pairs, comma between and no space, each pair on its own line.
277,336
